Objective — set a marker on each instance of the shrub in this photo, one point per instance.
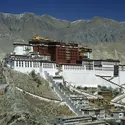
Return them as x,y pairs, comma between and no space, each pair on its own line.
33,74
35,77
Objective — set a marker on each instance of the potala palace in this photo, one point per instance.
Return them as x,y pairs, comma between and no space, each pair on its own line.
68,62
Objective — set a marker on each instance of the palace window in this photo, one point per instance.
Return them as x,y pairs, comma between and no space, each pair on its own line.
16,63
47,65
26,64
34,64
89,67
22,63
97,63
19,63
37,64
30,64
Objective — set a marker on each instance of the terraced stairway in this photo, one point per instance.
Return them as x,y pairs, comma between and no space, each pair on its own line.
65,98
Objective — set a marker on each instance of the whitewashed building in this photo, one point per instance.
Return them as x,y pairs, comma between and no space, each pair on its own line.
90,73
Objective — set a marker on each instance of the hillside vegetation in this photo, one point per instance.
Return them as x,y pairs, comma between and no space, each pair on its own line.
17,108
29,84
20,108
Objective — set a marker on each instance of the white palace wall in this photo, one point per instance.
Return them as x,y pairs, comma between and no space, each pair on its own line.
79,76
75,75
122,77
22,49
26,66
103,82
83,78
49,68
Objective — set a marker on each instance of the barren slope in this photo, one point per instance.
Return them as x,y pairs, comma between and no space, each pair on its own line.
27,83
17,108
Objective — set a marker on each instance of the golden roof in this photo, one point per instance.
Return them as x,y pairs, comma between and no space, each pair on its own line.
37,37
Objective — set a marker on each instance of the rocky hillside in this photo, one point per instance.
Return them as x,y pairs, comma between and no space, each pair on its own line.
109,51
17,108
21,108
22,27
35,85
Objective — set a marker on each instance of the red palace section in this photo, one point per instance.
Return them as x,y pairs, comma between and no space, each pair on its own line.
60,52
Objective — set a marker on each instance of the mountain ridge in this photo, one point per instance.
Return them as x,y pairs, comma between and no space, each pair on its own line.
22,27
46,15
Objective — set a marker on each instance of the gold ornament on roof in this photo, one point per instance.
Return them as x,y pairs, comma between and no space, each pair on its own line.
37,37
42,38
46,39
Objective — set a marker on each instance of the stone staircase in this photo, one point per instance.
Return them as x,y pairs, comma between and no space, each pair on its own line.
65,98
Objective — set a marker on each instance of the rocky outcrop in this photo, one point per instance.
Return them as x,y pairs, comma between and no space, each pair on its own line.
15,109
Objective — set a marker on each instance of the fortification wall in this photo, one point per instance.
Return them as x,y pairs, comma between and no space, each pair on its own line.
79,76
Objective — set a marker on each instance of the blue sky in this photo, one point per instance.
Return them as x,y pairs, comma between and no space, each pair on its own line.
67,9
